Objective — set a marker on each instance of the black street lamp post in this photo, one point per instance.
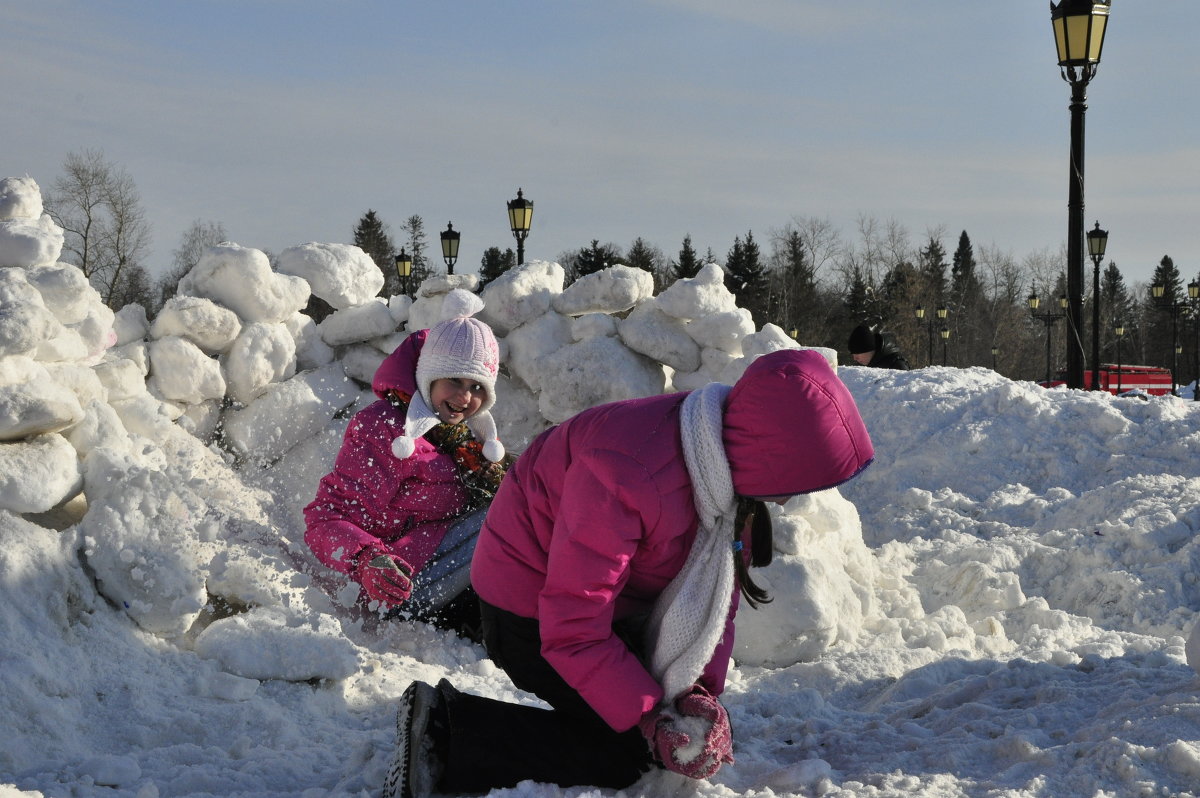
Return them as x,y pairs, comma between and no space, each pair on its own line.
520,216
403,269
1158,293
1079,27
450,247
942,312
1048,318
1097,240
995,351
945,333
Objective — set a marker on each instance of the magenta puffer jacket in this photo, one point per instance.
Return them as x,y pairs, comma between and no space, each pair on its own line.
371,496
597,515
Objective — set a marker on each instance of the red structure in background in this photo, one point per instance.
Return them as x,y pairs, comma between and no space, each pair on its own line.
1153,380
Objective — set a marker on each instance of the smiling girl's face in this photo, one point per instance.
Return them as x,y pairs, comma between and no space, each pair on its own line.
455,399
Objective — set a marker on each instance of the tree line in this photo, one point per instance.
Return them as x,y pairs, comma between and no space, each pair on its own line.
806,276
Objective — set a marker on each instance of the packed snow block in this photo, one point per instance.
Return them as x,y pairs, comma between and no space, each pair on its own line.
723,331
772,338
533,340
96,331
311,351
64,344
593,372
660,337
101,426
65,290
518,419
699,296
612,290
139,537
31,402
122,377
262,354
80,379
341,274
593,325
201,420
38,474
288,412
822,580
29,242
199,320
147,416
399,305
130,324
265,643
240,278
16,289
520,294
179,371
25,327
357,324
714,365
361,361
20,198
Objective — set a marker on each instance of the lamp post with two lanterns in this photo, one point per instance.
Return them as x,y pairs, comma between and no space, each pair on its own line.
1048,318
1158,292
1079,27
941,313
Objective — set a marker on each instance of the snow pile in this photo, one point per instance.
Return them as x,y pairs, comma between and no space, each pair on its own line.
1000,605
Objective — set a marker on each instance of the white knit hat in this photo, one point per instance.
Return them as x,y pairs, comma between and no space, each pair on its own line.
458,347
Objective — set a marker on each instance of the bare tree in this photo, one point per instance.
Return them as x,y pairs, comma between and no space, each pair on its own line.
106,233
194,242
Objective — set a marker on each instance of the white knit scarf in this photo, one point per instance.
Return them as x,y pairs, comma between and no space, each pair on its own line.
688,620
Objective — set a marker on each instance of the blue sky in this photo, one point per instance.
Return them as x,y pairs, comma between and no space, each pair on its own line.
285,120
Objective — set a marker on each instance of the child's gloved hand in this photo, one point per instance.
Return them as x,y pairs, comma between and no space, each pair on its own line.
694,738
384,577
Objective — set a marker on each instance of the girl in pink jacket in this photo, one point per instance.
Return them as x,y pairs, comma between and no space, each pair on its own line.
401,510
609,569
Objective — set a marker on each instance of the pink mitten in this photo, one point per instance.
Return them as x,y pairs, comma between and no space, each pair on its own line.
693,738
384,577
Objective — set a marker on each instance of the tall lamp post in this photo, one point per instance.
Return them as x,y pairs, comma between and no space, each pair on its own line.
995,352
945,333
941,312
450,247
403,269
1194,297
1048,318
1097,240
520,216
1158,292
1079,27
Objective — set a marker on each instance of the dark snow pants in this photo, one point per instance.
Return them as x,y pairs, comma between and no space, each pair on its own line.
494,744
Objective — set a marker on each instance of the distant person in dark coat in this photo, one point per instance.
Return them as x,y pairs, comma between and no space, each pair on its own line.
869,348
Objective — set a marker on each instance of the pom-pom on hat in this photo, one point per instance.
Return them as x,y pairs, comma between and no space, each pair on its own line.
458,347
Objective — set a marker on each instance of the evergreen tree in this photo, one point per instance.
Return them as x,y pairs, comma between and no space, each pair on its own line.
933,266
1158,325
1116,306
688,264
746,278
495,263
414,229
645,256
591,259
793,284
372,237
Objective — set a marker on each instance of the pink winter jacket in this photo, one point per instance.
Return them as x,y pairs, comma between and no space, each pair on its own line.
371,497
597,515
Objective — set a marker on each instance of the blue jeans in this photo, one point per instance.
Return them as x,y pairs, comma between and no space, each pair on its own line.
448,572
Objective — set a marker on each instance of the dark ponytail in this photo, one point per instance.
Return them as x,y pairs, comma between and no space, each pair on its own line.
762,547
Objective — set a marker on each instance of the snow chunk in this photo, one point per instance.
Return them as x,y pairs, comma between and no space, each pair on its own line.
31,402
266,644
520,294
241,279
611,290
38,474
341,274
261,355
659,336
199,320
697,297
29,242
593,372
356,324
20,198
181,372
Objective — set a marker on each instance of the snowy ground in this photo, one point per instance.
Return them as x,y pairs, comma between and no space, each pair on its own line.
1027,573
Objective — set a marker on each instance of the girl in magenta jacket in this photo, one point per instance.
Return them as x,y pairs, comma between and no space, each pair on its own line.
401,510
609,569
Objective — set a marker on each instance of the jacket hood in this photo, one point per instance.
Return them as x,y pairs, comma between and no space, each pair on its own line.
399,369
791,426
